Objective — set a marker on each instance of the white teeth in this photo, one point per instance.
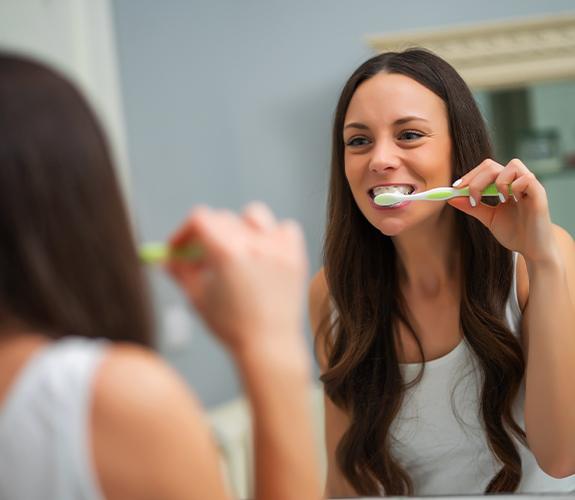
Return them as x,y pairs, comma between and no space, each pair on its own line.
400,188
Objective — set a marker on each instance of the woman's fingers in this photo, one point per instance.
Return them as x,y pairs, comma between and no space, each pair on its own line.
190,226
481,212
259,216
252,276
504,177
479,178
513,171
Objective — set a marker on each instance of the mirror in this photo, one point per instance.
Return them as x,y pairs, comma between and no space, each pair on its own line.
535,123
224,104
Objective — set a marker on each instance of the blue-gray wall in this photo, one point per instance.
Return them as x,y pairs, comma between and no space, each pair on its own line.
228,101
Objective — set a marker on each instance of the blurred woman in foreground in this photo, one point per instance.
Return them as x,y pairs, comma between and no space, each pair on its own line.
88,410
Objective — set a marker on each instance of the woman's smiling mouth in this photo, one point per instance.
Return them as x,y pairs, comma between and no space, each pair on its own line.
390,188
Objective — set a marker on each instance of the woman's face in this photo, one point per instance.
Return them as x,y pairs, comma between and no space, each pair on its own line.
396,134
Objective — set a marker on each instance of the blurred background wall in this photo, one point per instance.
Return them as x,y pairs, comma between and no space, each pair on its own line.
78,38
225,101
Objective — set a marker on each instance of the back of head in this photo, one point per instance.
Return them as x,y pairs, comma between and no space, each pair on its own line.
67,259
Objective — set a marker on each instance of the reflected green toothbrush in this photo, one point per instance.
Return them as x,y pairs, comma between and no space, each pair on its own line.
435,194
159,253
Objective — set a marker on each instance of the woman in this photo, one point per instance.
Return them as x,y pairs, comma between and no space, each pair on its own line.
445,331
88,411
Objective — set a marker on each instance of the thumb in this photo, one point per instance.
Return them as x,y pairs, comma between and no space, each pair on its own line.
481,212
193,279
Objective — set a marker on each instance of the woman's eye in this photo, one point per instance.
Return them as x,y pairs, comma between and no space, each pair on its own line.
410,135
357,141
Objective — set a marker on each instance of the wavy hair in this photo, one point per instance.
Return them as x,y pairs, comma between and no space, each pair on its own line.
363,375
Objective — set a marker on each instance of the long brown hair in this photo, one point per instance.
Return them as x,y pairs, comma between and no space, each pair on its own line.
68,262
363,375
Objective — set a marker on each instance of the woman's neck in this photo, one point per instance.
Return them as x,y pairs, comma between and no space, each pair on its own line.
16,347
428,256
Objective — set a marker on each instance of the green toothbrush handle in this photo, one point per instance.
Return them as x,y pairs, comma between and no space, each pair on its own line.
157,253
490,190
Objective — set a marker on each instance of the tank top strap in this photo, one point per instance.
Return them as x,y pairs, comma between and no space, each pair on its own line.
45,424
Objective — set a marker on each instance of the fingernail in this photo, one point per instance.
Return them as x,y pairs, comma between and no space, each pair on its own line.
457,182
515,197
502,198
472,201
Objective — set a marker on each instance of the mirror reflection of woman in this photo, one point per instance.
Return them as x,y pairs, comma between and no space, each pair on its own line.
445,330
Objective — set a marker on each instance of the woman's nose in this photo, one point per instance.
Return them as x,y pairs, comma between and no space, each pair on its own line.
384,158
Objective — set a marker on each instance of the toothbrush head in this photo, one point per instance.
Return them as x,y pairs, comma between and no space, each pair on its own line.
388,199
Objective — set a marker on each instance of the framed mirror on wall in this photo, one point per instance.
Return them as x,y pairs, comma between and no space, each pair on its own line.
522,73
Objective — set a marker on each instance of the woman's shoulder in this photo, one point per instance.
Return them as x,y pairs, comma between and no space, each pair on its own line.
133,387
145,422
137,376
318,285
319,312
318,299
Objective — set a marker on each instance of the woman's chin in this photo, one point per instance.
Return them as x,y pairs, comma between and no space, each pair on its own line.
391,227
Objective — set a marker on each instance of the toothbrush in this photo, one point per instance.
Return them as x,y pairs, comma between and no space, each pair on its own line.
157,253
435,194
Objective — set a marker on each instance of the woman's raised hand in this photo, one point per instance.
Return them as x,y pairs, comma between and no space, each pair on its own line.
249,285
521,221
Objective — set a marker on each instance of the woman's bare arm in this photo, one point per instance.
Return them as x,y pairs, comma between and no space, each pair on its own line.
249,289
548,330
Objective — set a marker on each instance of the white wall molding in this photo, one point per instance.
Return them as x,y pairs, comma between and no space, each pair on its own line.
77,37
498,54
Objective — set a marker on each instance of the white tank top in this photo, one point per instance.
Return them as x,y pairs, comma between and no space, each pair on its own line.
438,435
45,449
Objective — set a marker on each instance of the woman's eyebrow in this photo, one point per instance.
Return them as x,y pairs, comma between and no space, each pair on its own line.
399,121
356,125
405,119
